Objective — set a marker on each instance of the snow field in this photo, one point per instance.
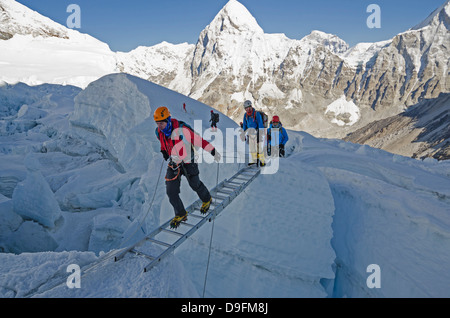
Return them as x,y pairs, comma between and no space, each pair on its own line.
310,230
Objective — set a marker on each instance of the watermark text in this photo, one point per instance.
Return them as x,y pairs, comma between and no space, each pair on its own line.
74,20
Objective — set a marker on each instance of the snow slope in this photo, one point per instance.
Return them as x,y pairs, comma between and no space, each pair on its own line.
391,211
310,230
54,60
37,50
16,18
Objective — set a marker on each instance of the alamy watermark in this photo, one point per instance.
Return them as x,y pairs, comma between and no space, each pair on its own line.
374,20
74,279
74,20
374,279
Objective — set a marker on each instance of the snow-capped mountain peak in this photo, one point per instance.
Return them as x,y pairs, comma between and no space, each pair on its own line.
16,18
234,44
47,51
440,15
329,41
234,17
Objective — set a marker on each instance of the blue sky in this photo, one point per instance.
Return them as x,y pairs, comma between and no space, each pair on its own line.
124,25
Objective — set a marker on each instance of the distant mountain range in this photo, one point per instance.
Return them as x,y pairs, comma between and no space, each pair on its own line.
317,84
421,131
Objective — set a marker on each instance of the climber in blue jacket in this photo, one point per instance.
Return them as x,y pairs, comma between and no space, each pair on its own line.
253,122
280,132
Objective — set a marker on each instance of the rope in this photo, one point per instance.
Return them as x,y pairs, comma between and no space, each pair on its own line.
179,170
211,238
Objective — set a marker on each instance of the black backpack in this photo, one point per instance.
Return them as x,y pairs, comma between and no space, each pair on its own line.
265,118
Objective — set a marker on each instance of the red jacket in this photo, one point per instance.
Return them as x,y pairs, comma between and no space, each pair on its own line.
182,136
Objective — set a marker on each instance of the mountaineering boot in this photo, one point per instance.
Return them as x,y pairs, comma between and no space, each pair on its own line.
261,163
177,220
205,206
261,160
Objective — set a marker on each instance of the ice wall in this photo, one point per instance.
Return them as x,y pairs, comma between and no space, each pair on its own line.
107,114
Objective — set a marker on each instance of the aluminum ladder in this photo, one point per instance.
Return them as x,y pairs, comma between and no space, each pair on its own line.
223,194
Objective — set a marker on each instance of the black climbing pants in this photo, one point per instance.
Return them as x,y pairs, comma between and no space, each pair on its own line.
191,172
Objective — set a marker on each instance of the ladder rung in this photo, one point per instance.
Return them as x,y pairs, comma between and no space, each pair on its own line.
172,232
217,196
228,195
142,253
188,224
244,175
231,187
238,183
159,242
196,216
241,177
225,191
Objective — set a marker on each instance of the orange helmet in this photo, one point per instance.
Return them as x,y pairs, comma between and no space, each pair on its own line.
161,113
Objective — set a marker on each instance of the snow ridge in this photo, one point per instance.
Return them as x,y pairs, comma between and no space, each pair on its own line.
441,14
16,18
235,16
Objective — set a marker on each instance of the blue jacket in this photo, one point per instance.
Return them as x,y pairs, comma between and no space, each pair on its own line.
253,121
282,133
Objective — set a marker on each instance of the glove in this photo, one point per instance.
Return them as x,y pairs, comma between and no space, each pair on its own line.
242,135
216,155
165,155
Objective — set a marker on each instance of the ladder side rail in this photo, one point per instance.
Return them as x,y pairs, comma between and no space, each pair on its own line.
210,216
177,243
247,174
151,235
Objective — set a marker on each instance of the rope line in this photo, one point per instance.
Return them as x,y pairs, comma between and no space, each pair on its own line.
211,238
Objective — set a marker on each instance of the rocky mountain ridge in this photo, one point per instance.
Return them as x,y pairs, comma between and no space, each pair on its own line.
421,131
